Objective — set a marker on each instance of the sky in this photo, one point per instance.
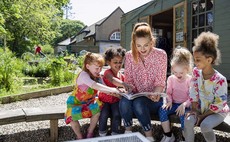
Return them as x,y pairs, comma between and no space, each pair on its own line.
91,11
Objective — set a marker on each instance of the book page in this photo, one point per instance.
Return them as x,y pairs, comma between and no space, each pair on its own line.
132,96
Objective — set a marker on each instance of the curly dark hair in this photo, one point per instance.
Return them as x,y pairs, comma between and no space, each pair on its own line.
113,52
207,44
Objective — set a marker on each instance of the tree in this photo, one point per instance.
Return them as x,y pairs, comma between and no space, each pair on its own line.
30,21
68,28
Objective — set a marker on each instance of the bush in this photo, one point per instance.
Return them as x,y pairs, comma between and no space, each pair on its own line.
10,68
80,61
57,71
47,49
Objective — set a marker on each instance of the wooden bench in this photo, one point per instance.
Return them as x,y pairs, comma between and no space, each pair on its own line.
35,114
54,113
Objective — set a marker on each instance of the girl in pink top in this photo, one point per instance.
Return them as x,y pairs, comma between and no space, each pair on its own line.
145,71
208,92
177,90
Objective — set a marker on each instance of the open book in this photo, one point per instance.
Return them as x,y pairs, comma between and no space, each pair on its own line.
132,96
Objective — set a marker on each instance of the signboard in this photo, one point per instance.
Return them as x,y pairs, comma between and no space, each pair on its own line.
179,36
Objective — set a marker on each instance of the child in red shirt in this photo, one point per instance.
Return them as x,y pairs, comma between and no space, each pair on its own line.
112,78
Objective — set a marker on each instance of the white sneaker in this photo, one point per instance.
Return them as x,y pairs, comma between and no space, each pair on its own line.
168,139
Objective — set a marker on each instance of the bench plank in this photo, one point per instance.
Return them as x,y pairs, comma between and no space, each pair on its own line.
39,114
224,126
12,116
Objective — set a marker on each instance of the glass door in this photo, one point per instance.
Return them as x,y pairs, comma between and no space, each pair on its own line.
180,24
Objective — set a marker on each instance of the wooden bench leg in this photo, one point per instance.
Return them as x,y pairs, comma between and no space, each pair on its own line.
53,130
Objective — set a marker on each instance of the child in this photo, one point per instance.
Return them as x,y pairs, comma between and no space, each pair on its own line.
112,78
177,91
208,92
83,102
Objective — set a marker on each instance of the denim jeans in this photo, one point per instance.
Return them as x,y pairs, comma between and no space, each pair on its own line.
142,108
112,111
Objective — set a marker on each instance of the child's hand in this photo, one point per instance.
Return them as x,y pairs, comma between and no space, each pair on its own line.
115,95
200,118
180,110
192,112
167,105
127,87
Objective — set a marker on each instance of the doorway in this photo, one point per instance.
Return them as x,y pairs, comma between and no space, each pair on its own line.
162,25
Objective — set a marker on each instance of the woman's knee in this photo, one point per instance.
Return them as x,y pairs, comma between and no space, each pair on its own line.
139,106
125,105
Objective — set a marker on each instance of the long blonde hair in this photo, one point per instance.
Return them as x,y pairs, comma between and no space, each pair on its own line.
141,29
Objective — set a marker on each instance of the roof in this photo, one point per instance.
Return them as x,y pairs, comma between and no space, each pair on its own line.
65,42
139,9
90,30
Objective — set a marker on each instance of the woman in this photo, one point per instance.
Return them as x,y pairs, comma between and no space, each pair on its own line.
145,71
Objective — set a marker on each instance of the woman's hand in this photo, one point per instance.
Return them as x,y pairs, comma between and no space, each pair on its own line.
167,105
155,97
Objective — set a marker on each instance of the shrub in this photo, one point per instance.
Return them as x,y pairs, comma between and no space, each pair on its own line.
57,71
47,49
9,70
80,61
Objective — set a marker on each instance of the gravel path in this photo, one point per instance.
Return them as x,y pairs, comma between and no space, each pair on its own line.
39,131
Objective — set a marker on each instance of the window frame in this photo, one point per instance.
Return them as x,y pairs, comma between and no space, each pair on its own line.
115,35
196,16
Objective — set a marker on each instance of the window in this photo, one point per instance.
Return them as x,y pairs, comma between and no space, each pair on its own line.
115,36
202,17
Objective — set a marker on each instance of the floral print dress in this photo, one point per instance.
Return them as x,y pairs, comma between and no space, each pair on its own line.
82,103
210,94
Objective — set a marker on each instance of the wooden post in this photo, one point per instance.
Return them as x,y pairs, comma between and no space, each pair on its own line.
54,130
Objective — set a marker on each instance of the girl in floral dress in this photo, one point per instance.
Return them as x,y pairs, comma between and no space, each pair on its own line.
83,102
208,91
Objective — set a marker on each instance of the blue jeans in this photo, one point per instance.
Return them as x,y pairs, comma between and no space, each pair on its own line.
110,110
142,108
164,114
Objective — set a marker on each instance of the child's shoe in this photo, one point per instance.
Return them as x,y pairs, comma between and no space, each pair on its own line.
89,135
168,139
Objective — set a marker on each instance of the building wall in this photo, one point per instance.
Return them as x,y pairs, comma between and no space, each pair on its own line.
103,46
222,28
111,24
221,25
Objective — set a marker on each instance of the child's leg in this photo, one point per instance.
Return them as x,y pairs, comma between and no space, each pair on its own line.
93,124
116,118
164,117
208,124
189,124
76,128
104,115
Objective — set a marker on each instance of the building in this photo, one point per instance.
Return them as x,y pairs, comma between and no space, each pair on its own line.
178,22
100,35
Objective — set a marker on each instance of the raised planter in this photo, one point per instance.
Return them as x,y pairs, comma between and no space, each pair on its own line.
37,94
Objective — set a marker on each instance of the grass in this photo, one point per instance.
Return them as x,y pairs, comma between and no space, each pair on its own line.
30,88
